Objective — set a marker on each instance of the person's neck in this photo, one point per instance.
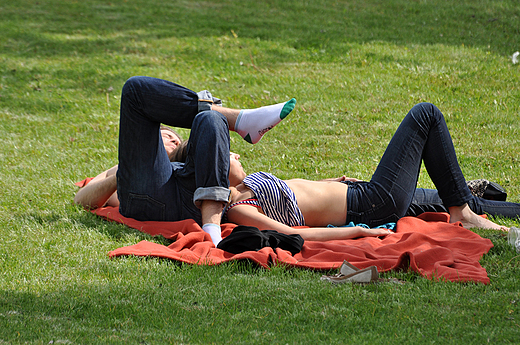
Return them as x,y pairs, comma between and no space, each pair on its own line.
240,192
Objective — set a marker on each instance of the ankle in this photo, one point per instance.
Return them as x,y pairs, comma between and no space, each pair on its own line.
214,231
460,213
252,124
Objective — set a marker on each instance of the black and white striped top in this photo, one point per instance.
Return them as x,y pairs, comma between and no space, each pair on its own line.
275,198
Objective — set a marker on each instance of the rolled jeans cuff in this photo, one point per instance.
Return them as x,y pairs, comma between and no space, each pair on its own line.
206,100
211,193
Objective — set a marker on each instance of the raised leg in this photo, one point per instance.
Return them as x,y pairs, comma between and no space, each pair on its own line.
424,136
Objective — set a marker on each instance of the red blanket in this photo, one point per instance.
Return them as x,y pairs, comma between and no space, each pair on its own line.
428,245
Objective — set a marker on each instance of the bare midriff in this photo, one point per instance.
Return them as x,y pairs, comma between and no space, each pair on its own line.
321,202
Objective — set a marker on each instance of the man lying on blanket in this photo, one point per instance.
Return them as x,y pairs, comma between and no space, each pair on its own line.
149,186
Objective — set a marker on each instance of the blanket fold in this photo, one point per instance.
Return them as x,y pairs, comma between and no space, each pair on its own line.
427,244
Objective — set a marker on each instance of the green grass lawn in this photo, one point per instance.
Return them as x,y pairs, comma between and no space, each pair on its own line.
356,67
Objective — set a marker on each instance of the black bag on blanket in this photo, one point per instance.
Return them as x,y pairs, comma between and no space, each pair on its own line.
487,189
244,238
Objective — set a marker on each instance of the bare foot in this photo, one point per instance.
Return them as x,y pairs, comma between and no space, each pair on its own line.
480,223
471,220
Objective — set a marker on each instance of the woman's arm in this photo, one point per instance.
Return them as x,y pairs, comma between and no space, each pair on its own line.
100,191
251,216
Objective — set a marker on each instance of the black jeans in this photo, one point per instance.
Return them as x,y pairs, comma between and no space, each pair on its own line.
422,136
149,186
428,200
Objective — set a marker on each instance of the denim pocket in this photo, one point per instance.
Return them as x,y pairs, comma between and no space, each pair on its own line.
143,207
370,204
382,207
372,218
387,218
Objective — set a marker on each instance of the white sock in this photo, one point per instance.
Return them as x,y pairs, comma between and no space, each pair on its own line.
252,124
214,231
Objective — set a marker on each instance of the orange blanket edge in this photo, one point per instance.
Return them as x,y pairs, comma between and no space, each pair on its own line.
428,245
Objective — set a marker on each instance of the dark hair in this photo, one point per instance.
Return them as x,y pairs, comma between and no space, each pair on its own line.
180,153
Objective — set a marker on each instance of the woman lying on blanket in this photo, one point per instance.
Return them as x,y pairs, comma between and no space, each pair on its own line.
264,201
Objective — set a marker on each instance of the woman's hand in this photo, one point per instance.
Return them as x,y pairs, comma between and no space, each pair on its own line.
376,232
342,179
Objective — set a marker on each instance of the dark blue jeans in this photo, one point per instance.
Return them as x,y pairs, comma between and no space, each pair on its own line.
149,186
428,200
422,136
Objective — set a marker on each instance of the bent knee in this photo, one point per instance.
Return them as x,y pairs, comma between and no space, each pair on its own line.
426,113
210,118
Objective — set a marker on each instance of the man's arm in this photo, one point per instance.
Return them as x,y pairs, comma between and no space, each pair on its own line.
100,191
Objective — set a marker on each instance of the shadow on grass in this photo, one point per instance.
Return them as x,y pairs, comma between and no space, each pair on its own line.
92,312
88,221
117,231
127,300
51,28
